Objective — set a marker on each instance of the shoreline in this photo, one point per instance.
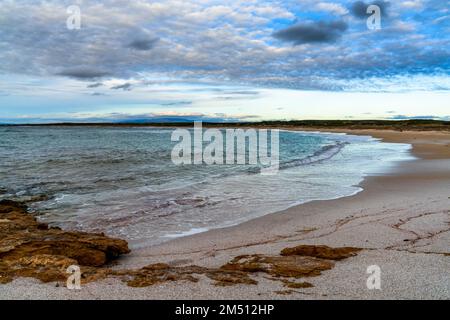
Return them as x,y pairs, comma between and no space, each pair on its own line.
401,220
195,231
390,136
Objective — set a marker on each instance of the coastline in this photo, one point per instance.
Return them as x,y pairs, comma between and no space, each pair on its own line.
409,204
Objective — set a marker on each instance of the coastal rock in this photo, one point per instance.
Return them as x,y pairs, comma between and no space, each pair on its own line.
297,285
280,266
161,272
323,252
32,249
226,278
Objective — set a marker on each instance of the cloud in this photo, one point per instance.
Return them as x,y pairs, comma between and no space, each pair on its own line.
125,86
83,73
201,42
359,8
143,43
117,117
441,19
312,32
429,117
244,92
95,85
239,95
331,7
176,103
411,4
187,117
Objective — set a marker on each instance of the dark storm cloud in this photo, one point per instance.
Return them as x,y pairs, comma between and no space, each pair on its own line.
83,73
312,32
359,8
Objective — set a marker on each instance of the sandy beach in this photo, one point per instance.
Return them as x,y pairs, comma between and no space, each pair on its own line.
401,221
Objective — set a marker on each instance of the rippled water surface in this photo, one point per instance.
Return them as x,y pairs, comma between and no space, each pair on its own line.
122,180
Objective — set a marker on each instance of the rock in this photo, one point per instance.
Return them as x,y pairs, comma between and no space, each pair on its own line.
32,249
160,273
297,285
323,252
225,278
280,266
240,269
284,292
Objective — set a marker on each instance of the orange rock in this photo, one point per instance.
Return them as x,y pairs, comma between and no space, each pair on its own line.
32,249
323,252
279,266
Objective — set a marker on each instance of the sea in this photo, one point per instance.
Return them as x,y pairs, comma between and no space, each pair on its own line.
122,181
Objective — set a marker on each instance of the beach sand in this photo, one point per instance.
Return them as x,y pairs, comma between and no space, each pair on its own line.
401,220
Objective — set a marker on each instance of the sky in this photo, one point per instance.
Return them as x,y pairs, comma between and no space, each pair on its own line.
223,60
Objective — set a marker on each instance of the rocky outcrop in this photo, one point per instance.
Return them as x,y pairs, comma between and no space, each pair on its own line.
279,266
293,263
322,252
32,249
161,272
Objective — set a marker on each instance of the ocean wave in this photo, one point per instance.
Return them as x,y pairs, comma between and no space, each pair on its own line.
325,153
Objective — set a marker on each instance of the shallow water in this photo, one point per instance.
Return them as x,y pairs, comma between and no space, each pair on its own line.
122,180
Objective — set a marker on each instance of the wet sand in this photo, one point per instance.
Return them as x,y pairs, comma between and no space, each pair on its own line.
401,220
